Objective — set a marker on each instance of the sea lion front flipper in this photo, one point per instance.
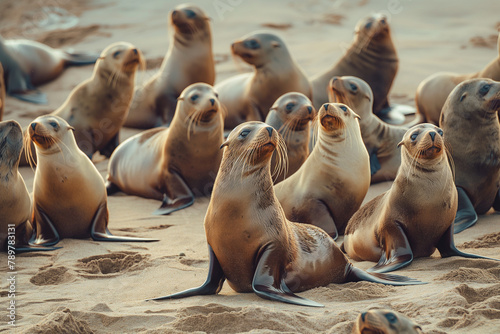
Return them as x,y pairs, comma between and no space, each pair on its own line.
45,233
177,197
80,59
392,116
111,146
355,275
269,284
446,247
466,215
99,229
374,162
24,232
396,250
212,285
19,86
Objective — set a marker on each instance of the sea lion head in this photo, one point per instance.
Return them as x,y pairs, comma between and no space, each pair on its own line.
11,143
423,143
261,48
189,21
374,26
118,60
295,110
352,91
49,133
334,119
199,103
383,321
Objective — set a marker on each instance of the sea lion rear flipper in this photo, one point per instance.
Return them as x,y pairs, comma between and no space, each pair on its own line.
269,284
45,233
391,116
19,86
178,195
32,96
355,275
466,215
80,59
374,162
446,246
212,285
24,232
396,252
99,229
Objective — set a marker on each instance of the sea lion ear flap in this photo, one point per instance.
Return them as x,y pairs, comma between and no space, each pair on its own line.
464,95
401,143
356,115
275,44
224,144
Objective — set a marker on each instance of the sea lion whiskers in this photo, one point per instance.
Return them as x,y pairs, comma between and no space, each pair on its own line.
281,158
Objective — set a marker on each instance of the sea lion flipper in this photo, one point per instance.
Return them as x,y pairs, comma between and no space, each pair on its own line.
396,252
321,217
374,162
80,59
466,215
45,233
99,229
177,197
355,275
111,146
32,96
24,232
212,285
266,285
446,247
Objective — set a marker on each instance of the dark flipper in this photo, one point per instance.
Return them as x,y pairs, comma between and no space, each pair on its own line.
396,252
32,96
496,203
374,162
466,215
80,59
111,146
392,116
45,233
446,246
112,188
268,282
212,285
24,232
178,195
356,275
99,230
33,248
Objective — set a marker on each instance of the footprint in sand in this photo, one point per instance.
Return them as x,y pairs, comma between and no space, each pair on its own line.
60,321
486,241
112,264
52,276
475,275
349,292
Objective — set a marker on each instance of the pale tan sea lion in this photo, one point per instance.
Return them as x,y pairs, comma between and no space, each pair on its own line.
332,183
434,90
174,164
383,321
291,115
372,57
381,139
415,216
69,196
470,121
189,59
251,243
249,96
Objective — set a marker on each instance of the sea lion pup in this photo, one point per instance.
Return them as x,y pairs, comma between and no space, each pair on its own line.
28,64
470,122
372,57
174,164
383,321
331,185
434,90
291,115
249,96
69,196
251,243
381,139
189,59
2,93
415,216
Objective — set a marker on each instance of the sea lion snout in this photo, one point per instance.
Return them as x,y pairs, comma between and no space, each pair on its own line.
270,131
433,135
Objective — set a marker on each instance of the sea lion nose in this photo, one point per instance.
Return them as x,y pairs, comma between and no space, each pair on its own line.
310,109
212,101
33,125
174,13
363,315
325,106
270,130
134,51
433,135
232,46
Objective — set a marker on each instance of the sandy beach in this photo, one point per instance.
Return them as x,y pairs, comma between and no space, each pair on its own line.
98,287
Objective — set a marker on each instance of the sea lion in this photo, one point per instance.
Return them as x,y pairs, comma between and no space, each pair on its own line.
332,183
2,93
291,115
415,216
383,321
470,121
434,90
174,164
249,96
189,59
28,64
381,139
372,57
251,243
69,196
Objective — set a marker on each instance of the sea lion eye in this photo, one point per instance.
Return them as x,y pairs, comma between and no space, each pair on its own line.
344,108
391,318
53,124
414,136
485,89
369,25
354,88
216,95
194,97
244,133
189,13
289,106
440,132
252,44
116,54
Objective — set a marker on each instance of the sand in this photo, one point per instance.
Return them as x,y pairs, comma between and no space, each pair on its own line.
100,287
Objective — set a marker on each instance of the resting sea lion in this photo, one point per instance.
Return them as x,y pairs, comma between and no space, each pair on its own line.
382,321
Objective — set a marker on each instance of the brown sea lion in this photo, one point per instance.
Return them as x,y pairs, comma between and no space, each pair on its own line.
189,59
332,183
470,122
69,196
174,164
291,115
434,90
381,139
383,321
415,216
251,243
249,96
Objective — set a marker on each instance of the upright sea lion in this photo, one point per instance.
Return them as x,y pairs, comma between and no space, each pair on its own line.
173,164
434,90
415,216
372,57
382,321
470,122
291,115
381,139
251,243
69,196
2,93
189,59
249,96
331,185
28,64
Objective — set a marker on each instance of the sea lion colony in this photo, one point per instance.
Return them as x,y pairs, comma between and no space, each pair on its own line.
184,155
